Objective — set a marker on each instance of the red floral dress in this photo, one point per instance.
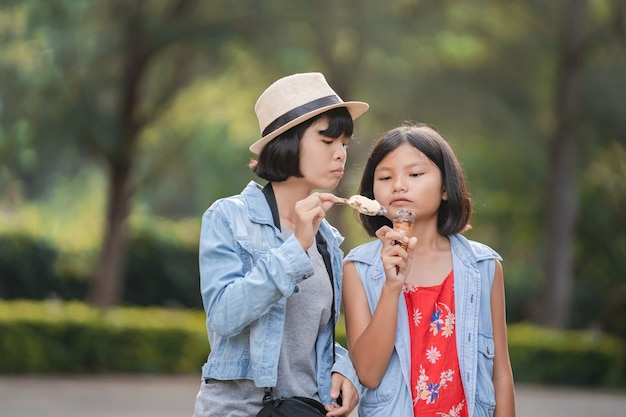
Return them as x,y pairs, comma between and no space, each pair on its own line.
435,376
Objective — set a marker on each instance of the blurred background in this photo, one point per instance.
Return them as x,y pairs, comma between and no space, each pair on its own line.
121,121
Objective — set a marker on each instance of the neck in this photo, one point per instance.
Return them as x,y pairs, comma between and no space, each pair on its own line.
287,194
428,237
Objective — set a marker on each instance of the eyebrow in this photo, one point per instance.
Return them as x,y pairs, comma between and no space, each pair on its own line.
412,165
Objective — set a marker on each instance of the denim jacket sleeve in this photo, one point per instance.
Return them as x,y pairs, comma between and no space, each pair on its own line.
343,365
245,268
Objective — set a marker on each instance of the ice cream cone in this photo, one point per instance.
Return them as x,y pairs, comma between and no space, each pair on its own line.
402,222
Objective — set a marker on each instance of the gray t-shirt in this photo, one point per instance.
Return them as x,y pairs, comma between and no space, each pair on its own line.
307,313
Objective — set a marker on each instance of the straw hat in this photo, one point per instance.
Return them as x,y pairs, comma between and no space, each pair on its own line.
292,100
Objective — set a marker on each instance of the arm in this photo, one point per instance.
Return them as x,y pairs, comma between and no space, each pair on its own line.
370,338
502,373
234,294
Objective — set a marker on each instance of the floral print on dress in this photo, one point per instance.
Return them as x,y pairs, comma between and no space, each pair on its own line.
417,316
433,354
428,390
441,323
454,411
437,386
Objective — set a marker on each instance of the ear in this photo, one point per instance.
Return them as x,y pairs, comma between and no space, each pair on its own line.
444,194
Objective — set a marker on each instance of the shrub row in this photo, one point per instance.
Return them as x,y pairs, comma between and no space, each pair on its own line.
158,271
57,337
590,358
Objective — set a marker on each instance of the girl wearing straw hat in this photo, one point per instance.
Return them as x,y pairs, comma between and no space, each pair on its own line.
271,266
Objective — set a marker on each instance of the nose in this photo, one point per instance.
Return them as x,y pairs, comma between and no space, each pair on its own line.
341,151
399,186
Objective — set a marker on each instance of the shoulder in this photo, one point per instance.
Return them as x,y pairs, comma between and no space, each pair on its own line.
250,201
251,191
476,250
367,253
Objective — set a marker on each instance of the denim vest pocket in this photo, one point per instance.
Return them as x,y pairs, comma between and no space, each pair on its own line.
483,410
388,389
485,392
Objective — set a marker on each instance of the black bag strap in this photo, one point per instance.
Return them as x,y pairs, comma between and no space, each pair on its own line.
268,191
323,250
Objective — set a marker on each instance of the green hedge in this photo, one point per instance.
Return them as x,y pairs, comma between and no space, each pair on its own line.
540,355
26,267
158,271
57,337
70,337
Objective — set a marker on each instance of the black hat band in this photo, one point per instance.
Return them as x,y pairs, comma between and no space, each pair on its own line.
293,114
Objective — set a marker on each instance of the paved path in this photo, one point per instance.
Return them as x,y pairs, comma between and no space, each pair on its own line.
159,396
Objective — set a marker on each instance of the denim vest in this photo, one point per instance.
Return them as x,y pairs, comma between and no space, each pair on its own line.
247,271
473,265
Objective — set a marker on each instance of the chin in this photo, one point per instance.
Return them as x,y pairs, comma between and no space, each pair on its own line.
327,185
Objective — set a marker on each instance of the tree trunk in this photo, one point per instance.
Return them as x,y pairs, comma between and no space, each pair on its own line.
106,287
563,192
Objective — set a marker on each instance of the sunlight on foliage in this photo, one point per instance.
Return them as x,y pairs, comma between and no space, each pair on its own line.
227,99
70,217
184,232
460,48
77,312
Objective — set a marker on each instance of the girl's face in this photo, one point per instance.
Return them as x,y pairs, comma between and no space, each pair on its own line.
322,159
407,179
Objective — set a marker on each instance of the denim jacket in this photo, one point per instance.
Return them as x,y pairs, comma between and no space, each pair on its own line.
473,265
247,271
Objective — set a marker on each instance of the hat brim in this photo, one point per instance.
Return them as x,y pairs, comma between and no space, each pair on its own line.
355,108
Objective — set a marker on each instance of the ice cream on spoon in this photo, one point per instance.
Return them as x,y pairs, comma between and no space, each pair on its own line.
365,205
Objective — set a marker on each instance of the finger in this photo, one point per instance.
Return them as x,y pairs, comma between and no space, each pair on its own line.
309,211
328,200
323,200
318,215
382,232
335,385
392,237
337,412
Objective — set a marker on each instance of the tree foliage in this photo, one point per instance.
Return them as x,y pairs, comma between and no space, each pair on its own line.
159,95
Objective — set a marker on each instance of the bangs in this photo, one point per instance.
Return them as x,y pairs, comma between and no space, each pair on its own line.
339,123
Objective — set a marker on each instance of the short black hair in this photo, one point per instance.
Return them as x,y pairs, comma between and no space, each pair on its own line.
280,158
454,213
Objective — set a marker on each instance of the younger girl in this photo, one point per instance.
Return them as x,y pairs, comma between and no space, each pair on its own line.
426,326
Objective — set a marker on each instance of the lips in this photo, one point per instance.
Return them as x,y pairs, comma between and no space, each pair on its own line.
400,202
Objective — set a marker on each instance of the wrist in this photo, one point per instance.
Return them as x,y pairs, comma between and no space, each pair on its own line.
393,287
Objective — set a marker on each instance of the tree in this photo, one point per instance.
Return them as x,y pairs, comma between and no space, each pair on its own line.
142,42
562,190
112,69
